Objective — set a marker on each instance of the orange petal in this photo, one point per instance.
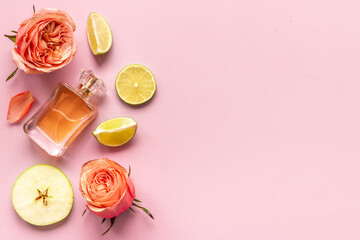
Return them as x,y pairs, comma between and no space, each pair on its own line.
19,106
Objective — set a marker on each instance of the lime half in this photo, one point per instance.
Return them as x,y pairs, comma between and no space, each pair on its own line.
135,84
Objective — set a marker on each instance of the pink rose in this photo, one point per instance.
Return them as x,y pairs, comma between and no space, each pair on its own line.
45,42
106,187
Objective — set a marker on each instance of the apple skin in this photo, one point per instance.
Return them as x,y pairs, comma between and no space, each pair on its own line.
60,192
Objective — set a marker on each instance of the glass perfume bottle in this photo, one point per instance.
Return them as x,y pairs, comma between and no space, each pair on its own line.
67,112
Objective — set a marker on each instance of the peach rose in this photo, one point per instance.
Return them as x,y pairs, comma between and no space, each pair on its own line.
45,42
106,187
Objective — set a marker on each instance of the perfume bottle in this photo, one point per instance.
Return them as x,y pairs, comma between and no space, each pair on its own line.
67,112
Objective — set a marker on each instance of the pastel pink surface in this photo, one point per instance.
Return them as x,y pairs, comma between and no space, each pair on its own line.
253,132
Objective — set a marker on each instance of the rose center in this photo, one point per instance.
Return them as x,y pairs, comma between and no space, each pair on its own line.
103,183
51,36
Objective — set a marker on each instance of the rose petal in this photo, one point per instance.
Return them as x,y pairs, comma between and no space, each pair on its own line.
123,204
19,106
131,186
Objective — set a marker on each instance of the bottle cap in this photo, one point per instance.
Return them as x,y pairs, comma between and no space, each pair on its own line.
90,83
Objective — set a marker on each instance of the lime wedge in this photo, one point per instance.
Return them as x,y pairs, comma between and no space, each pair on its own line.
135,84
116,131
98,34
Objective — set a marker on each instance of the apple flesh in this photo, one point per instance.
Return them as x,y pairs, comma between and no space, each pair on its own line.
42,195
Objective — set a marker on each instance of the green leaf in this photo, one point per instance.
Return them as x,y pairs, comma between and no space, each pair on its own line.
145,210
34,8
11,37
12,74
132,209
129,171
84,212
136,200
112,220
103,220
14,31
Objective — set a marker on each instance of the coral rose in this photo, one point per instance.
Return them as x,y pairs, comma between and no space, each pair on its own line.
106,187
45,42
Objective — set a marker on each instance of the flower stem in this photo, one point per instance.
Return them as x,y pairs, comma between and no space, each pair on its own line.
11,37
145,210
112,220
132,209
12,74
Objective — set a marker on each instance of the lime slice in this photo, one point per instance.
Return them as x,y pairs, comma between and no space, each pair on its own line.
135,84
98,34
42,195
116,131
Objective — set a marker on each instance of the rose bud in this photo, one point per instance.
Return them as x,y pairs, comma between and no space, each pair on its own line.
106,187
44,42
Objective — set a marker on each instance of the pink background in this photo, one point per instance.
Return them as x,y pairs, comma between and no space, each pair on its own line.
254,131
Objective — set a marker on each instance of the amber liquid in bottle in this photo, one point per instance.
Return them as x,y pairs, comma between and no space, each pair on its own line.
65,115
62,118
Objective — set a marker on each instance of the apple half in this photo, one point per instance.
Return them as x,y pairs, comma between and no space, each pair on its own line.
42,195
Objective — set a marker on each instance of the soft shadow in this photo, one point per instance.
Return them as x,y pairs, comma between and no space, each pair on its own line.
97,100
45,79
43,228
20,122
122,222
116,149
43,156
101,59
45,82
141,105
50,227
